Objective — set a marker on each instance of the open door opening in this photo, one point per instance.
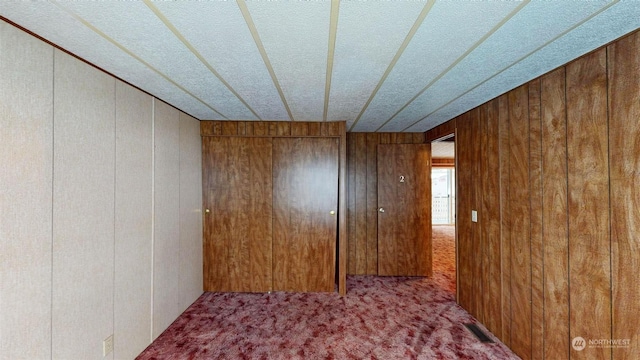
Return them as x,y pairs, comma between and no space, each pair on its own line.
443,205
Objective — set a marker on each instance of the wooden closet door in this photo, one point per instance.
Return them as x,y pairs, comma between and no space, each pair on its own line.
305,213
404,210
238,225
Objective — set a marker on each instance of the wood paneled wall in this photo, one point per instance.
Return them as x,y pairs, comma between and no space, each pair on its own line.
551,168
271,128
362,201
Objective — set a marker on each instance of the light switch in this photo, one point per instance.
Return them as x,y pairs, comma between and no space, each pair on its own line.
474,216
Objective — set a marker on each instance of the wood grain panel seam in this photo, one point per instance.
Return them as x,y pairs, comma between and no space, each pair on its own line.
611,300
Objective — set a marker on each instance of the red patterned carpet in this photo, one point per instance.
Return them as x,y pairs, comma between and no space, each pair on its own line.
379,318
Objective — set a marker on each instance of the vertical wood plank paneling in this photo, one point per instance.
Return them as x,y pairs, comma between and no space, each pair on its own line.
535,178
477,247
385,138
491,218
372,205
299,128
283,128
351,203
464,171
217,128
505,219
242,128
206,128
388,198
588,170
229,128
314,129
26,183
520,222
554,216
272,128
249,128
260,128
361,203
83,208
568,159
440,131
343,238
624,160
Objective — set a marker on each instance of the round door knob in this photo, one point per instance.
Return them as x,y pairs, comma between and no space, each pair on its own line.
332,212
207,211
381,210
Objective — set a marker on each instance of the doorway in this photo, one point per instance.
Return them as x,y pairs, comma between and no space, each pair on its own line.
443,208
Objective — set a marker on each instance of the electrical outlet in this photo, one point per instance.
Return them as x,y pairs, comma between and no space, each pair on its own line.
107,345
474,216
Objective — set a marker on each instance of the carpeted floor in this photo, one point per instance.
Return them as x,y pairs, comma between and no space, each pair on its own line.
379,318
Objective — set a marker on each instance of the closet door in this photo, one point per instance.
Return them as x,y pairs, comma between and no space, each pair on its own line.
237,220
305,213
404,210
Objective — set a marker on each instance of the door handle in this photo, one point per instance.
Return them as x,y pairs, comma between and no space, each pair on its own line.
207,211
332,212
381,210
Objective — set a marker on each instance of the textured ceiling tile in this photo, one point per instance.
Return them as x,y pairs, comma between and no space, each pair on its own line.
611,24
295,35
446,33
219,33
375,37
73,36
152,41
535,25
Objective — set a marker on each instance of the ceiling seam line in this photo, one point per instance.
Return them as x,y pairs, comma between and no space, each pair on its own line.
519,60
197,54
459,59
130,53
263,52
416,25
333,30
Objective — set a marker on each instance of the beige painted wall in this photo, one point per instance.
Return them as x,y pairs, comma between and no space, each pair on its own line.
26,144
81,258
134,196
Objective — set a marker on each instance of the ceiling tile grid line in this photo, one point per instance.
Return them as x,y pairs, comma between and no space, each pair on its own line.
219,32
133,55
365,45
423,14
458,60
448,31
263,53
525,32
197,54
597,31
136,27
333,29
294,35
69,35
558,36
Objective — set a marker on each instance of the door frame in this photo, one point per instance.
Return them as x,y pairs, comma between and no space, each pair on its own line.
442,132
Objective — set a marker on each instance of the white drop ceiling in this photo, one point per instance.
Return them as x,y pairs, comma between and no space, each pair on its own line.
379,65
